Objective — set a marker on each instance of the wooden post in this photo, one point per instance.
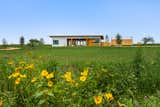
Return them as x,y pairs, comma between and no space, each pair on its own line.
71,42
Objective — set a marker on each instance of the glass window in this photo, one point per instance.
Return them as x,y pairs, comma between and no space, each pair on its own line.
96,41
55,42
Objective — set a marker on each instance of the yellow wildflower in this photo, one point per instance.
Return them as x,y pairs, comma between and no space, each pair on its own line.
83,78
17,81
17,69
50,83
77,84
10,76
72,81
14,75
85,72
30,67
1,103
22,62
49,76
10,62
98,99
67,76
33,79
109,97
44,73
23,76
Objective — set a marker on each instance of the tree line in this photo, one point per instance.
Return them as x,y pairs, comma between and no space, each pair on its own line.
32,42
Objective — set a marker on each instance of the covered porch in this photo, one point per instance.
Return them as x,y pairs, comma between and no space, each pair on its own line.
83,41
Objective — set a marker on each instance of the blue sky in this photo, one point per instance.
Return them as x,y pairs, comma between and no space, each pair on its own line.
41,18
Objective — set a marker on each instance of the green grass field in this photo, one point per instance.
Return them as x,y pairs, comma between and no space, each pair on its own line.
80,77
86,55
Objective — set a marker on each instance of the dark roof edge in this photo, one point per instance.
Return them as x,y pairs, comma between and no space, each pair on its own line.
72,35
77,36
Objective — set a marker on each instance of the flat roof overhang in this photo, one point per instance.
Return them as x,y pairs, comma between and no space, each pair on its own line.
79,36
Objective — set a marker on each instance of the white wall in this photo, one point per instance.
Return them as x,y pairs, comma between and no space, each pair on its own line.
62,41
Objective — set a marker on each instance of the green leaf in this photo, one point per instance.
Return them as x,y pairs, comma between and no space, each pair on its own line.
6,105
130,104
41,102
38,94
50,94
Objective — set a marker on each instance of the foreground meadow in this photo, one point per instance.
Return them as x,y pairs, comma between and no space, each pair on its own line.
80,77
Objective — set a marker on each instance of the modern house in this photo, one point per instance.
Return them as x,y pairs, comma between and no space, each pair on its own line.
76,40
87,40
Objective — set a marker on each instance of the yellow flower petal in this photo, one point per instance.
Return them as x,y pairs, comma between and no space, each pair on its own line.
17,81
33,79
98,99
44,73
109,97
49,76
1,103
50,83
83,78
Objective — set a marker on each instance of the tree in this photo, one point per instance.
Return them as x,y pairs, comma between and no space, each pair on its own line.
118,39
148,39
151,40
21,40
4,42
41,41
106,38
34,42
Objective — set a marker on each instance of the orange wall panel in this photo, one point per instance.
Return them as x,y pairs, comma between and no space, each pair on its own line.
125,42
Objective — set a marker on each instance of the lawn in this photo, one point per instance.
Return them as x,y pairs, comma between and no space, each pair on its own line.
80,77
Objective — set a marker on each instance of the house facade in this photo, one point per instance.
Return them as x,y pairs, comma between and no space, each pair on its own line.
76,40
125,42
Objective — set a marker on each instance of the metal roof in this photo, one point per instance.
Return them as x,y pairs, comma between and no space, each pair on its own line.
101,36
